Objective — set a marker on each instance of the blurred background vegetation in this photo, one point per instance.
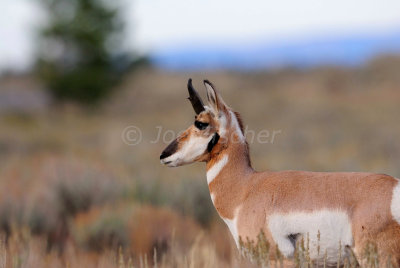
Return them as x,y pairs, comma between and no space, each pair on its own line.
79,55
74,193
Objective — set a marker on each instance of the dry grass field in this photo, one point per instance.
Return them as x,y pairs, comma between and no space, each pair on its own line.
76,192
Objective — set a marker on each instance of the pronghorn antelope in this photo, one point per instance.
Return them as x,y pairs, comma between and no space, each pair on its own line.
345,210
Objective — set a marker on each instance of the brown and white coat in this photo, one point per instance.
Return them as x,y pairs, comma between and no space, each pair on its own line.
347,209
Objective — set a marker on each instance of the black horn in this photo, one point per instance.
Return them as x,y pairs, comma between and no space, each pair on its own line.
194,98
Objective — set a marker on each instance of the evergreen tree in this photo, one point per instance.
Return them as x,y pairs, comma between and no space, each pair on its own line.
75,55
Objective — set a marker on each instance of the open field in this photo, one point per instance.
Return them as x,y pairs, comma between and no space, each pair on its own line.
76,191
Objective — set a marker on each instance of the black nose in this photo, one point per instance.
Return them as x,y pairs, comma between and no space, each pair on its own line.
164,155
170,150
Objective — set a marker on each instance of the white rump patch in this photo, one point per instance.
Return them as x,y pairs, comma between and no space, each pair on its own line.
395,204
216,168
334,228
232,225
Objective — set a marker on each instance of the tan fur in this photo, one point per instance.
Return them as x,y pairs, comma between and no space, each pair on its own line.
365,197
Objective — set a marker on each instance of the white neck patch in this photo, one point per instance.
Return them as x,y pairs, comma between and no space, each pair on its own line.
216,168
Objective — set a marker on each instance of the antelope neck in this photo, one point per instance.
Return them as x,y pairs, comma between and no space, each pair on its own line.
227,175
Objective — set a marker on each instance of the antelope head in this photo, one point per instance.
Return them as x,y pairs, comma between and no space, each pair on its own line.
208,133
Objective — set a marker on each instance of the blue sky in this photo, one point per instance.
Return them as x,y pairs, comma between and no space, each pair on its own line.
156,24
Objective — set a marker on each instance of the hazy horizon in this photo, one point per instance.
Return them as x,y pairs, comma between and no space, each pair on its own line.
153,25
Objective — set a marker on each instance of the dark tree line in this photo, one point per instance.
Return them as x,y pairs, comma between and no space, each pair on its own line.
79,56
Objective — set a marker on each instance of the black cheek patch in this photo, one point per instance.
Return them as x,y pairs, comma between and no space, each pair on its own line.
213,142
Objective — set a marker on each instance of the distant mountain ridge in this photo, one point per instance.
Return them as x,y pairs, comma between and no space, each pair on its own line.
347,50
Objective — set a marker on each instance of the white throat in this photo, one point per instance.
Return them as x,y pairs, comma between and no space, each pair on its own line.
216,168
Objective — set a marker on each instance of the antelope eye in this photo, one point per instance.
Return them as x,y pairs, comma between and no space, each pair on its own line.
200,125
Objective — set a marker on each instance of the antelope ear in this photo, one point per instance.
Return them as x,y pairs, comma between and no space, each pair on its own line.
215,100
